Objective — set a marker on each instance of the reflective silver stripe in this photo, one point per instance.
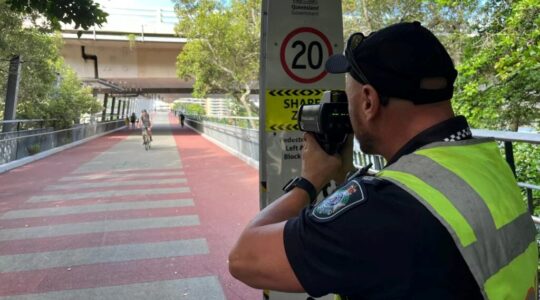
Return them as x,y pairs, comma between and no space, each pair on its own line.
473,141
514,237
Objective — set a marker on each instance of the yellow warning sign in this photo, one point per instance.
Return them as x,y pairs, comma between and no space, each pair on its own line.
282,107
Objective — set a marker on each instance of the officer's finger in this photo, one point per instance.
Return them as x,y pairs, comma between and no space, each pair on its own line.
310,143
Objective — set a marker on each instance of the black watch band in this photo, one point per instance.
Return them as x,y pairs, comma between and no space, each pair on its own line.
304,184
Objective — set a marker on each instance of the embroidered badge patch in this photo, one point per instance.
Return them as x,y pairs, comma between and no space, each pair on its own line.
341,200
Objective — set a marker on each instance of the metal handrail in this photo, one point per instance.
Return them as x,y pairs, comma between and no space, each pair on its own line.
506,137
26,121
53,132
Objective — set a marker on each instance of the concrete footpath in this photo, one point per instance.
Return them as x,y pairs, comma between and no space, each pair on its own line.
109,220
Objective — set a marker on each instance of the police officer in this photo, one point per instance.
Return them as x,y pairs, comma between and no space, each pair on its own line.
443,220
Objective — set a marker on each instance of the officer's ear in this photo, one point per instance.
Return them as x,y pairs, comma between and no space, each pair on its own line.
372,103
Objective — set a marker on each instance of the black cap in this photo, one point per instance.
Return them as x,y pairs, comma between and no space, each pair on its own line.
404,60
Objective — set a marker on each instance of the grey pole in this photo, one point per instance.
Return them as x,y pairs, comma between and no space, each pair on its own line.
118,109
104,113
124,109
10,110
112,108
128,107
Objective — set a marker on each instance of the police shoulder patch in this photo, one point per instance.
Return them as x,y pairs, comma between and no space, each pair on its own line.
346,197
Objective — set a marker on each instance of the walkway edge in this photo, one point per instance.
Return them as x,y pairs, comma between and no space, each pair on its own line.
250,161
29,159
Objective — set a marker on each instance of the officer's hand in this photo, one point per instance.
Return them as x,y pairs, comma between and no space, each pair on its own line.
317,166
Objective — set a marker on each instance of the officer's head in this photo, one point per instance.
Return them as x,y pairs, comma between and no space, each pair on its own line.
396,72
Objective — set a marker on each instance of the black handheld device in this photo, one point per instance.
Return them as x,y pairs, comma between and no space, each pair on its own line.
328,121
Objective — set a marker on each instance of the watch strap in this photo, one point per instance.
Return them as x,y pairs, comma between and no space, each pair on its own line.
304,184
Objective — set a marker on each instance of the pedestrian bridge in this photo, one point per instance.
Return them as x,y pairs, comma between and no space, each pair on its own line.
108,220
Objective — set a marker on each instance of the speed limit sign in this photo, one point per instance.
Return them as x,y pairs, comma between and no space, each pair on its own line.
303,53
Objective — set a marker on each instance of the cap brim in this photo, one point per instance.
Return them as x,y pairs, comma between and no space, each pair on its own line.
337,64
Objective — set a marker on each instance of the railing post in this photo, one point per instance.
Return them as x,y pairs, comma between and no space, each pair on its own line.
104,113
112,108
530,200
509,153
118,109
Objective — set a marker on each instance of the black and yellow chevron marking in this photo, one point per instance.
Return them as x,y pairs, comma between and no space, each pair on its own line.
296,92
278,127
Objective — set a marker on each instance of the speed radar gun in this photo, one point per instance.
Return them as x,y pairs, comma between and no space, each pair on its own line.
328,121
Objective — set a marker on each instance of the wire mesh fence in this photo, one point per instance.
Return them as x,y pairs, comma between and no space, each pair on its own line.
15,145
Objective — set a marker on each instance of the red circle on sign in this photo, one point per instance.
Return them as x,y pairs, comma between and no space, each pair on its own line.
284,47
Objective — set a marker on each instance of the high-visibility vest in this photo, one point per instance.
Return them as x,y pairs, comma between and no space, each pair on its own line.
471,190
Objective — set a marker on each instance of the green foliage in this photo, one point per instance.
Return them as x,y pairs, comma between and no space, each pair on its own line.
48,88
82,13
499,80
450,20
69,101
189,108
33,149
132,39
528,168
222,53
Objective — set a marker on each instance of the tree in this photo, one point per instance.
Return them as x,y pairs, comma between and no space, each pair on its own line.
48,88
68,100
83,13
190,108
450,20
222,52
499,82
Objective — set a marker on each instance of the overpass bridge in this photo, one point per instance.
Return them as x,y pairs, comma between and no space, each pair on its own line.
133,53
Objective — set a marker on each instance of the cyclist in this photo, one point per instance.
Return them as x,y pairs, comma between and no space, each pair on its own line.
145,122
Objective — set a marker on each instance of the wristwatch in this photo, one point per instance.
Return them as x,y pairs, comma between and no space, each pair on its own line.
304,184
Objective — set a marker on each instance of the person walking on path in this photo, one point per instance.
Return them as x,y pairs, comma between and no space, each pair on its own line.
133,118
182,118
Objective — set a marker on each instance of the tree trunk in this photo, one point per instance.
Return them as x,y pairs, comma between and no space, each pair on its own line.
365,13
244,99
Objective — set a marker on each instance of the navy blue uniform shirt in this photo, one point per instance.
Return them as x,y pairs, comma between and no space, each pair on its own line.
372,240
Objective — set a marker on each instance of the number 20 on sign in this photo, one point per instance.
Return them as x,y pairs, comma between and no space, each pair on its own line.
303,53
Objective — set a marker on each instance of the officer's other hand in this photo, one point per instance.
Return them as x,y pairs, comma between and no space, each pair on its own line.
318,166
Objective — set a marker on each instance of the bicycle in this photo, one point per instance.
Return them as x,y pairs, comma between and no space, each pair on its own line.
146,138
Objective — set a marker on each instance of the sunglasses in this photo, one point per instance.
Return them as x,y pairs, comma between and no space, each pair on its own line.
352,43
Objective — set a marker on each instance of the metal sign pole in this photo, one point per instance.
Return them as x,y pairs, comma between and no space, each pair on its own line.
297,37
262,107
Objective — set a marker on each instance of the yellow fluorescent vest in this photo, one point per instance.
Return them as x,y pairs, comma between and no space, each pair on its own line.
471,190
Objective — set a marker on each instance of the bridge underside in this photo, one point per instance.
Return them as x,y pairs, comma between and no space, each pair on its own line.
138,86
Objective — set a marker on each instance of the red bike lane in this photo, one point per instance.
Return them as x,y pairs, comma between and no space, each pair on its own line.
50,209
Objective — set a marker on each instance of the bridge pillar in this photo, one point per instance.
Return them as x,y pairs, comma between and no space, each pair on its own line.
124,109
104,113
112,108
118,109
